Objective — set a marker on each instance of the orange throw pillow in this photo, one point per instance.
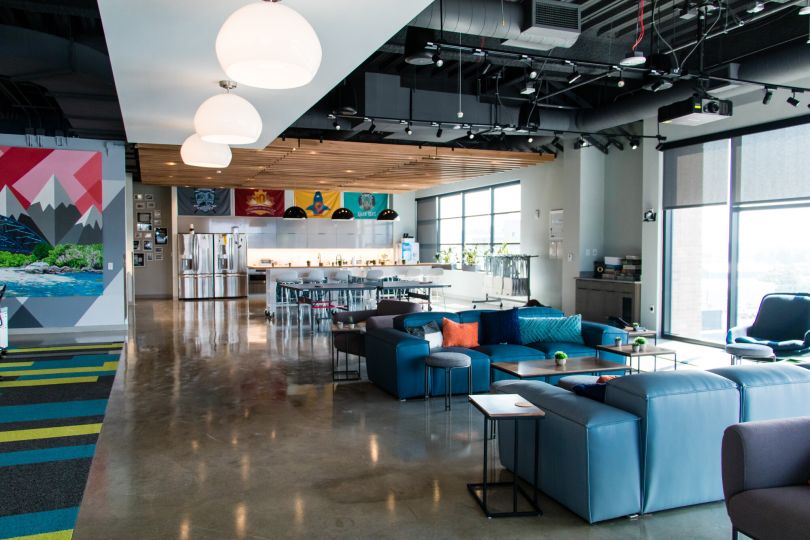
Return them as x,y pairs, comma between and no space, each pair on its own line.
606,378
459,334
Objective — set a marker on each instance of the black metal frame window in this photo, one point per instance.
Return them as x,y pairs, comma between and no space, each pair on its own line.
724,251
486,219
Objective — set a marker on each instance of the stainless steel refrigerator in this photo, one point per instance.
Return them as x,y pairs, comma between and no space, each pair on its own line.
230,266
211,266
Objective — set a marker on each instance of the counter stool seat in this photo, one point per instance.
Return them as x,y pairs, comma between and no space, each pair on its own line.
751,351
448,361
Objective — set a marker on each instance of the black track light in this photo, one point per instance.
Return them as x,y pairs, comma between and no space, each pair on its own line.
574,77
373,127
767,97
792,100
437,59
531,139
439,133
659,146
634,142
555,141
580,143
470,134
336,125
408,129
533,74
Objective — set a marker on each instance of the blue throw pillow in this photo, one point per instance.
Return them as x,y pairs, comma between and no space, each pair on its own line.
595,392
565,329
500,327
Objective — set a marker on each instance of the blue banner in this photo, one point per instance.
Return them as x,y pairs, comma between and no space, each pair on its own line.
365,205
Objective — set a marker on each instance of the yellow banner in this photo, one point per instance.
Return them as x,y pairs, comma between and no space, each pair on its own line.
318,204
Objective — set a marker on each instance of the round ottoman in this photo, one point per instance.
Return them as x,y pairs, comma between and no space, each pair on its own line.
752,351
448,361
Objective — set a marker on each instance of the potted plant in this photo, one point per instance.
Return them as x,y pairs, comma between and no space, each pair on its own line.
560,358
503,249
470,259
617,341
639,344
636,326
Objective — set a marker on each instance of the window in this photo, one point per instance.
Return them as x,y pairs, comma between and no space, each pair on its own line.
486,218
736,211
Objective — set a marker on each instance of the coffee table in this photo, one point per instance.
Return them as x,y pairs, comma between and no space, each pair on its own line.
495,408
651,334
345,374
649,350
531,369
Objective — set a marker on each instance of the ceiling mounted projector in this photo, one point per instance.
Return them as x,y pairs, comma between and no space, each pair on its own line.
695,111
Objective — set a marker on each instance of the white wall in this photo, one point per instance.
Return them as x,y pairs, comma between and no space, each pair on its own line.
623,208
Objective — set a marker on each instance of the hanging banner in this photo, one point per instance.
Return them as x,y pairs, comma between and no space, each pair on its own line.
203,202
259,202
318,204
365,205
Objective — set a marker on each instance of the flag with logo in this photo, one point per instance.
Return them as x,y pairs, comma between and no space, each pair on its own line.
365,205
203,202
318,204
259,202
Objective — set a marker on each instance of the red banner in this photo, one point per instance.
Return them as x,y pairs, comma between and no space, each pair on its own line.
259,202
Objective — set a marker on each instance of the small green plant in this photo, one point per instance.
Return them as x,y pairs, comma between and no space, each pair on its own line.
503,249
471,256
559,355
640,341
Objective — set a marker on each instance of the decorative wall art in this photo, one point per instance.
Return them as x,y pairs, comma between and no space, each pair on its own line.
318,204
259,202
203,202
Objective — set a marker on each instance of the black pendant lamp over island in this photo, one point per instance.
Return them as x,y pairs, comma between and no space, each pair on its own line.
295,212
388,215
343,214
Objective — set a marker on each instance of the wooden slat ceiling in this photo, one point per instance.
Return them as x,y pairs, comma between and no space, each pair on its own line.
333,165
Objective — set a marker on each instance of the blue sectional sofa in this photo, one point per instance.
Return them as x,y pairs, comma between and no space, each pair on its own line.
662,432
395,358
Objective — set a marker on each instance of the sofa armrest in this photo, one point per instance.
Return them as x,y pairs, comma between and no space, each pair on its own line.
768,454
395,361
378,322
594,334
736,332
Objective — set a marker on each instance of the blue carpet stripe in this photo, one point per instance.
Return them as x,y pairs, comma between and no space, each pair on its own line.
63,375
38,522
89,361
56,409
27,457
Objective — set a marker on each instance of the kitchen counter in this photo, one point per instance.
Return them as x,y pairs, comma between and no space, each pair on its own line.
336,267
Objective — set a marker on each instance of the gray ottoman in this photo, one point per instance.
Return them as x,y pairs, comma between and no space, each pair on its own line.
751,351
448,361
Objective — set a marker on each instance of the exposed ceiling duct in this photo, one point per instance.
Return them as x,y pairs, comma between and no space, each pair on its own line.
540,25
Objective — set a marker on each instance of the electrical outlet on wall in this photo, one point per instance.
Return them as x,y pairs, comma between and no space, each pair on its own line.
570,257
595,253
109,266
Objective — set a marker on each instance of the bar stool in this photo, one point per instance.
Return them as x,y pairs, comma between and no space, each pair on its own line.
342,276
375,274
288,277
448,361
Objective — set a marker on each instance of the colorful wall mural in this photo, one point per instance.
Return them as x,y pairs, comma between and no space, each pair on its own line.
51,222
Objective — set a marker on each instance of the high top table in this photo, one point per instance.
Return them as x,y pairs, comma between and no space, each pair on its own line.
649,350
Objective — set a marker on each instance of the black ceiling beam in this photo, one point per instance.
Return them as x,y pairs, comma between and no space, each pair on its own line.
53,8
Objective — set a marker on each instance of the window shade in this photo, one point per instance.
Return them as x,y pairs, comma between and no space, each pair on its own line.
697,175
774,166
426,232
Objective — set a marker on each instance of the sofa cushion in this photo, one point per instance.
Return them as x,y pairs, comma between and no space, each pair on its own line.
403,322
770,391
567,383
459,334
773,512
504,352
779,346
430,332
573,350
594,391
500,327
551,329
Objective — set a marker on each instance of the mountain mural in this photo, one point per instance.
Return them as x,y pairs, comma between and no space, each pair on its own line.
51,224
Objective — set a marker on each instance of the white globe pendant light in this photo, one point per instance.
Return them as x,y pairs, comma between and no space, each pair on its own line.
227,119
198,153
268,45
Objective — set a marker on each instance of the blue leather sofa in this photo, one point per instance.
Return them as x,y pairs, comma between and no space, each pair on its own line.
782,323
395,359
681,417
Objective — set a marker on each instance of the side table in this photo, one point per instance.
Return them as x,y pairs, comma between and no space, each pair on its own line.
628,352
497,407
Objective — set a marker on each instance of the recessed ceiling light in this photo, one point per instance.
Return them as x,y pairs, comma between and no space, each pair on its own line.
171,163
349,171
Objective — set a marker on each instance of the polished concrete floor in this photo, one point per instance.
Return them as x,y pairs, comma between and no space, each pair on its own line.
221,425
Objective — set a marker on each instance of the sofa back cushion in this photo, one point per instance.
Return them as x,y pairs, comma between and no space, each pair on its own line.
459,334
782,317
565,329
396,307
531,312
500,327
770,391
430,332
410,320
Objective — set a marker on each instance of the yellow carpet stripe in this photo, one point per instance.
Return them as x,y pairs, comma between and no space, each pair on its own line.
56,535
47,382
4,365
108,366
49,433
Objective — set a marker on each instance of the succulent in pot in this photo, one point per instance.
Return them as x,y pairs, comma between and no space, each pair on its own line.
639,344
560,358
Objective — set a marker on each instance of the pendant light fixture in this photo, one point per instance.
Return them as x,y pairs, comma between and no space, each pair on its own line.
389,214
343,214
227,118
269,45
199,153
295,212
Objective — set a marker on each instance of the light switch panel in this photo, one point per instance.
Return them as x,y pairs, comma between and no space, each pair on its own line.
109,265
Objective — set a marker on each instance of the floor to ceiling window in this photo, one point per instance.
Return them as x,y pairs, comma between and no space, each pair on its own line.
484,219
736,212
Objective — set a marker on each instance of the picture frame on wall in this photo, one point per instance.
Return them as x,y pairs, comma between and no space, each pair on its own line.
156,214
138,196
158,250
148,196
138,235
140,206
143,227
158,256
161,236
147,245
150,205
144,217
136,245
138,260
149,257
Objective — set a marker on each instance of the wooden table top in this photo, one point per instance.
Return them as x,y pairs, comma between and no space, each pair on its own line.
627,350
360,328
641,333
505,406
548,368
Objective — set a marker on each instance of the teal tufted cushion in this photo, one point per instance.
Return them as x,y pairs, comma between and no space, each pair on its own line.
568,329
